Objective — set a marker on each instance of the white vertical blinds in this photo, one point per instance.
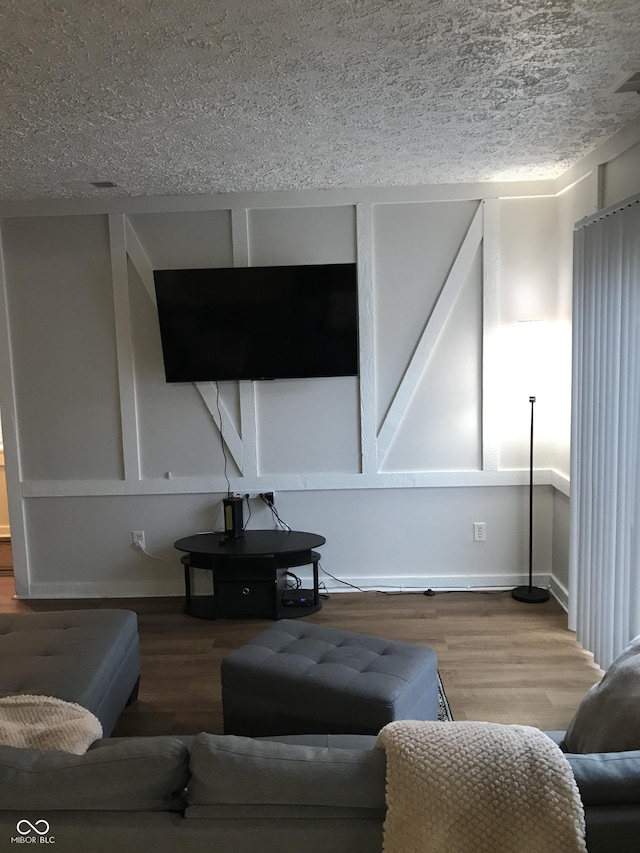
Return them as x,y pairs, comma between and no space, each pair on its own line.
605,445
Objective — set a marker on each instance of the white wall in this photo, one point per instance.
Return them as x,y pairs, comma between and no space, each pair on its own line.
107,446
527,304
392,467
63,348
621,177
380,538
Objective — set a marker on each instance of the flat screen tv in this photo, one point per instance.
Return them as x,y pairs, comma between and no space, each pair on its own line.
258,322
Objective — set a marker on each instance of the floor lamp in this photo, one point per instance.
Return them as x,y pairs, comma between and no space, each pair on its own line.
531,594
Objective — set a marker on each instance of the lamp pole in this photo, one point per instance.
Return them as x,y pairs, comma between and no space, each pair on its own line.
531,594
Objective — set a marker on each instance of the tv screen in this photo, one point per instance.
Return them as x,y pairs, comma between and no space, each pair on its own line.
258,322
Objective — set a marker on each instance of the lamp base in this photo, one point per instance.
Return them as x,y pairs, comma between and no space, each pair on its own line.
530,594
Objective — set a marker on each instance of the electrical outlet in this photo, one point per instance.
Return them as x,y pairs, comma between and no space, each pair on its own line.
479,531
265,496
137,537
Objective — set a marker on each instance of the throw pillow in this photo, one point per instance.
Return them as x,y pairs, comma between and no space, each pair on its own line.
608,719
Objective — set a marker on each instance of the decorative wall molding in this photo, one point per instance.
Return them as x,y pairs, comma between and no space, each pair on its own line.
11,440
243,443
366,334
438,583
221,418
140,260
124,348
431,333
247,460
611,148
559,592
561,482
285,198
490,332
284,483
240,236
240,426
132,247
249,428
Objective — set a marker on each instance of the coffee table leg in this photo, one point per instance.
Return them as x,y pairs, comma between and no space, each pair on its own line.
187,584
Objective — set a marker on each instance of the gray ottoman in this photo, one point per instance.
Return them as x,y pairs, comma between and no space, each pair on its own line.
91,657
299,678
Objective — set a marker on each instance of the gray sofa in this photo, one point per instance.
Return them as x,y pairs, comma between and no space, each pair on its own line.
311,793
609,785
306,793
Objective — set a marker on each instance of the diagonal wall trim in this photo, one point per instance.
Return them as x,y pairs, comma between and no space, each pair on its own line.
249,428
432,330
124,348
212,401
140,260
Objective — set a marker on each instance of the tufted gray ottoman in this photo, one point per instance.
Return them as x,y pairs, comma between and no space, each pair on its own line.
91,657
299,678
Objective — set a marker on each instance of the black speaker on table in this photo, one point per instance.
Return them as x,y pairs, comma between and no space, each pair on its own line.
233,517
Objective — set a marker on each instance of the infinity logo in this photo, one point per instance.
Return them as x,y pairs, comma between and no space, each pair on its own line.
32,827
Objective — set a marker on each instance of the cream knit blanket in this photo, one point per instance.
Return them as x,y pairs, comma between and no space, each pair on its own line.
44,722
478,788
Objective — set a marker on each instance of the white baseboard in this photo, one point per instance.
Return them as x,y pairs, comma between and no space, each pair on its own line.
559,592
97,589
435,582
417,583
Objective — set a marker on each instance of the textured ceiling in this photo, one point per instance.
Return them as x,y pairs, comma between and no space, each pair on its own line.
168,97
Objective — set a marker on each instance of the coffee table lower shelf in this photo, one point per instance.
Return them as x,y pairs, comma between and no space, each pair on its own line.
204,607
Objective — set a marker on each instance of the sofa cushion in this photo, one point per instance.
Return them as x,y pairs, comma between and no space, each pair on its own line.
332,741
607,779
236,770
607,719
136,774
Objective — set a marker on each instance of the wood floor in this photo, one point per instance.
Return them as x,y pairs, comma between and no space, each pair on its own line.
499,660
